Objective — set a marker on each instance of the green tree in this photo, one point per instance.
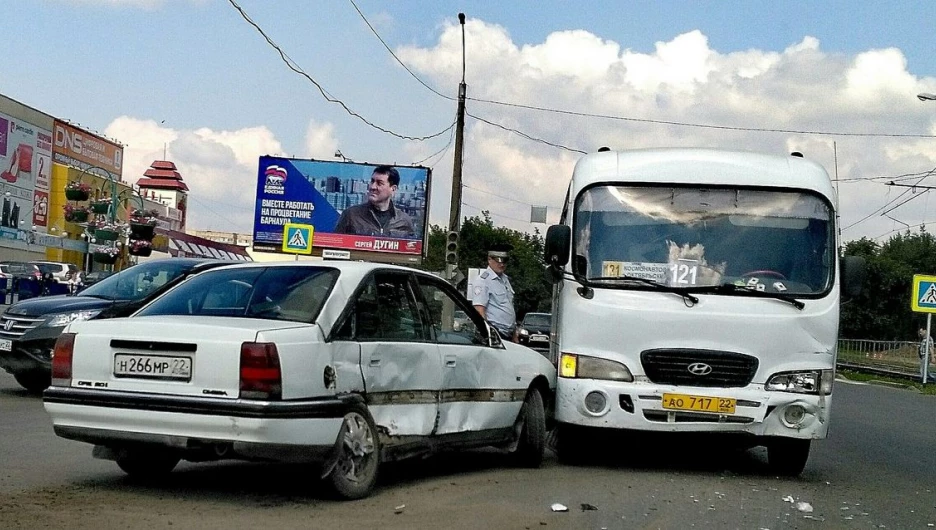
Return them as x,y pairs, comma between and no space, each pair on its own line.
531,290
882,311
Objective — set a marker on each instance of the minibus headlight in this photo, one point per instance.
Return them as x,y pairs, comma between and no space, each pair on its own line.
805,382
584,367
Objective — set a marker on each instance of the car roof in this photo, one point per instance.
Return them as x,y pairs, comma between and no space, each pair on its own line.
353,269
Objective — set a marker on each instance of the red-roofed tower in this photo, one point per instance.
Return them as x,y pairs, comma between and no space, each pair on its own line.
162,182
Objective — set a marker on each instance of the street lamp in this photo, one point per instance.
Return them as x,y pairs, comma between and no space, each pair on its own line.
926,96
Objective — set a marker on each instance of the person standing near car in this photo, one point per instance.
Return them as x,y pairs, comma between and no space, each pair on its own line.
493,295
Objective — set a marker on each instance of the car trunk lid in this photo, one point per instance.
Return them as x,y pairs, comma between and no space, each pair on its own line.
161,355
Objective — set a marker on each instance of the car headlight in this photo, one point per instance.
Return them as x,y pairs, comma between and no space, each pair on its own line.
584,367
63,319
524,332
805,382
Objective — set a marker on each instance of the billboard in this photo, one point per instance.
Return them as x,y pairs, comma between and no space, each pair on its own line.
25,169
353,206
79,148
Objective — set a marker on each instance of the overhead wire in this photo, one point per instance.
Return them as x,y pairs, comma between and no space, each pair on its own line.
698,125
394,55
525,135
213,211
488,210
292,65
506,198
444,150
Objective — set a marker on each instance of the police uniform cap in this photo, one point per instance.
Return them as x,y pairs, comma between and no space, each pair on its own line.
499,250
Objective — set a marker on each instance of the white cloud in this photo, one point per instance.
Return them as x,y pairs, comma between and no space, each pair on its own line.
683,79
801,88
320,141
219,167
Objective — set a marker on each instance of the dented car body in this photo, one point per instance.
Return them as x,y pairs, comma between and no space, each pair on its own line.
347,364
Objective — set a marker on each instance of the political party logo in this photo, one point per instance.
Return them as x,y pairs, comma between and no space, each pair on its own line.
275,180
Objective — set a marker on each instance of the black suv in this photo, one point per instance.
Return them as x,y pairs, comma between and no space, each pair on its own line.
28,329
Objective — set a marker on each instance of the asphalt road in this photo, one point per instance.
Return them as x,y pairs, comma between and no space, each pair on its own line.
877,470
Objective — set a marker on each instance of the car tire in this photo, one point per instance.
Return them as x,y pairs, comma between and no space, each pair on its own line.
34,382
147,464
357,455
532,438
787,456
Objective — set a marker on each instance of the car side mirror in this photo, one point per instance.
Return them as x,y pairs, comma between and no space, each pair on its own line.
854,269
556,252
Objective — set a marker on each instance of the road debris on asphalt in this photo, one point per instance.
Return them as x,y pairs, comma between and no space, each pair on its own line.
559,507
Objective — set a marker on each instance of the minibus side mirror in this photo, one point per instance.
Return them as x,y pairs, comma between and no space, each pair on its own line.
854,270
558,247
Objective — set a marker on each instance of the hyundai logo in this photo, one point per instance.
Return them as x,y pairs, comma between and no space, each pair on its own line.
700,369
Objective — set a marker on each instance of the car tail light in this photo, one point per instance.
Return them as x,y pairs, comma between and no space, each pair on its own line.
260,375
62,359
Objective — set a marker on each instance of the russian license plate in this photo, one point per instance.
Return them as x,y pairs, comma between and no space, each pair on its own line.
6,344
153,366
539,338
699,403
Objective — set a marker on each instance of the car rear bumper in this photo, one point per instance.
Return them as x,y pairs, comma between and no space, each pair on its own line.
301,430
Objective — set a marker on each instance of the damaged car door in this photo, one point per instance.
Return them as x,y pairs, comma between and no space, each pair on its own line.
400,365
479,394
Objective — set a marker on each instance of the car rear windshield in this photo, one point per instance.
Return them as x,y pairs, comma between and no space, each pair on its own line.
278,293
537,319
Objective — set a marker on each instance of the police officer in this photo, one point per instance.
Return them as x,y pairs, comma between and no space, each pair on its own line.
493,296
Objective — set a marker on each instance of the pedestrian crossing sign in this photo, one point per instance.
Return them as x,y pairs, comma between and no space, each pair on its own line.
924,293
297,238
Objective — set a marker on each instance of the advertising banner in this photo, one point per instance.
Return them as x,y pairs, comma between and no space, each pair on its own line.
25,154
352,206
79,148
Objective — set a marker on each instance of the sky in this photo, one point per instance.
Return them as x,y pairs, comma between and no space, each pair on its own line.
193,81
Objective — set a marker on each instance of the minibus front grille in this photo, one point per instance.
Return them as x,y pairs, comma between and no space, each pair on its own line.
659,416
704,368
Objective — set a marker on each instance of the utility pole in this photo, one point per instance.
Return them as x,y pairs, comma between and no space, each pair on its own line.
455,211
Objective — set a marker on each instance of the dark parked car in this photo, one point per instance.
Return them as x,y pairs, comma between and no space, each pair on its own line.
20,270
534,330
28,329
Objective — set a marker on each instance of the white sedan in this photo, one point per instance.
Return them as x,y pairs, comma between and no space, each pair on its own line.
343,363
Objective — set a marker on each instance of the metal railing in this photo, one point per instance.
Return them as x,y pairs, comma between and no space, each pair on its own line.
897,357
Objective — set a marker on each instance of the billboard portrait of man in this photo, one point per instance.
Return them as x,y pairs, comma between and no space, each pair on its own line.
378,216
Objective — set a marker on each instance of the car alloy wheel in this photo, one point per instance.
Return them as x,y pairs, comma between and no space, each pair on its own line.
357,455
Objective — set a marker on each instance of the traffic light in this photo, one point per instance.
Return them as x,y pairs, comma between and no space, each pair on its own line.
451,247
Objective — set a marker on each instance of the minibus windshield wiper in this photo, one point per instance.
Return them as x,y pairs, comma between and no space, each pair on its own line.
749,291
681,291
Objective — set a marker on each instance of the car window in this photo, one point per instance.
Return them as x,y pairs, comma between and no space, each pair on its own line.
385,310
278,293
138,281
537,319
448,315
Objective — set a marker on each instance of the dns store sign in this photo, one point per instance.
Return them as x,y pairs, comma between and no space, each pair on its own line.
70,142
